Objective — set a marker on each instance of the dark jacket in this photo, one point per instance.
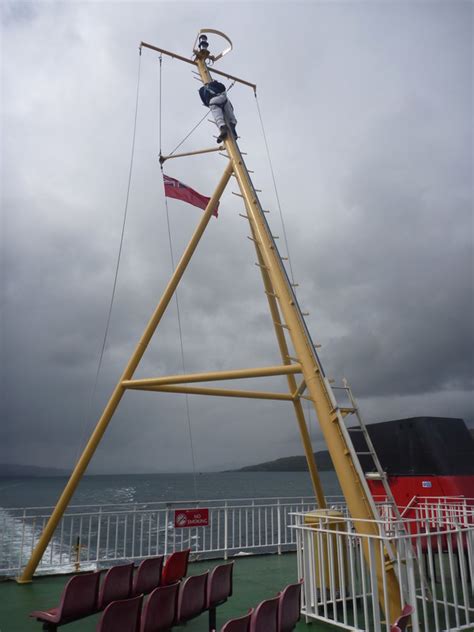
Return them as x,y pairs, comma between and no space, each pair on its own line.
210,90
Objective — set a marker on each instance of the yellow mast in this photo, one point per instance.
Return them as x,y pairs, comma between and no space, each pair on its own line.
286,314
354,487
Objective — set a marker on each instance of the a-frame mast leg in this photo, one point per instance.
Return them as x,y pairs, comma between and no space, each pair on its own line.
354,487
119,390
300,417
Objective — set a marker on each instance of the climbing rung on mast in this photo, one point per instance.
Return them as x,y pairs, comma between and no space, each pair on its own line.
348,411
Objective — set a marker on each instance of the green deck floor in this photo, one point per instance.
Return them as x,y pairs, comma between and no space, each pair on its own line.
255,578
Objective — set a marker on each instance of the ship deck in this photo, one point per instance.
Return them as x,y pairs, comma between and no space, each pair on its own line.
256,578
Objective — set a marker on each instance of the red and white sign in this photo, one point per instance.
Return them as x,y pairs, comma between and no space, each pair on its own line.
191,518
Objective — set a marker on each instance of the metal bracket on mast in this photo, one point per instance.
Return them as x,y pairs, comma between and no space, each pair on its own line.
191,153
194,63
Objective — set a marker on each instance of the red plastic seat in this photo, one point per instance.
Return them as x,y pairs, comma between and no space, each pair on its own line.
191,597
265,616
121,616
219,589
159,612
175,568
401,623
147,576
78,600
242,624
289,607
117,584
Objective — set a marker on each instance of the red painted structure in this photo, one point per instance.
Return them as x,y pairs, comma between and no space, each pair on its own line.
404,488
422,456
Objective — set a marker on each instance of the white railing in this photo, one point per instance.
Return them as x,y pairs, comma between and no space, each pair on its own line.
433,561
91,536
441,509
436,509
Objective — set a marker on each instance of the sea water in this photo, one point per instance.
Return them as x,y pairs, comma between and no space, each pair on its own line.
146,488
129,491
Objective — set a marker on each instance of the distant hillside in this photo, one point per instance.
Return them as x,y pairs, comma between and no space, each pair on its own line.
291,464
16,470
297,463
288,464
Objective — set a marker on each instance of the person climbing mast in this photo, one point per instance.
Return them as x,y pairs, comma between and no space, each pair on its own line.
214,96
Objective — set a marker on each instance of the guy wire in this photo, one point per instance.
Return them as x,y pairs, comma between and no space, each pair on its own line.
188,413
276,189
117,266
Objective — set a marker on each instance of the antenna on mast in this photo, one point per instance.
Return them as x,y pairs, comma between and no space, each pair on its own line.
201,45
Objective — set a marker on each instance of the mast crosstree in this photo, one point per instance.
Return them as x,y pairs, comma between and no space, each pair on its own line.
288,321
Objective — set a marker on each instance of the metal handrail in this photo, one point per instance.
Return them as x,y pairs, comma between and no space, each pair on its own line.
136,530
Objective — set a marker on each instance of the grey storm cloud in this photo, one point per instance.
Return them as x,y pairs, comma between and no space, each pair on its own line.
367,110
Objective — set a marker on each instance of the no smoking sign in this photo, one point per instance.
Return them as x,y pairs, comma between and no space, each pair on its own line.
191,518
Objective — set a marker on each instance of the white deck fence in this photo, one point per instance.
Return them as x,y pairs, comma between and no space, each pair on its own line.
434,564
432,551
91,536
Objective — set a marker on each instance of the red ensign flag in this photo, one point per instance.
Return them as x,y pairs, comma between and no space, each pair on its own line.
176,189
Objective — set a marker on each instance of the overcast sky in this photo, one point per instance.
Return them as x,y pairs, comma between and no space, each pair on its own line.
367,108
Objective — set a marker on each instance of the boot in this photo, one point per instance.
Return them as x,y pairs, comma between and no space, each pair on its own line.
223,134
234,131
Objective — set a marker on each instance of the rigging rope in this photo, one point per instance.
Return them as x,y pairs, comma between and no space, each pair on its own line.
188,135
119,255
160,103
188,412
276,189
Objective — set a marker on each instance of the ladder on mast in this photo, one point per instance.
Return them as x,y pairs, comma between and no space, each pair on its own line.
351,412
